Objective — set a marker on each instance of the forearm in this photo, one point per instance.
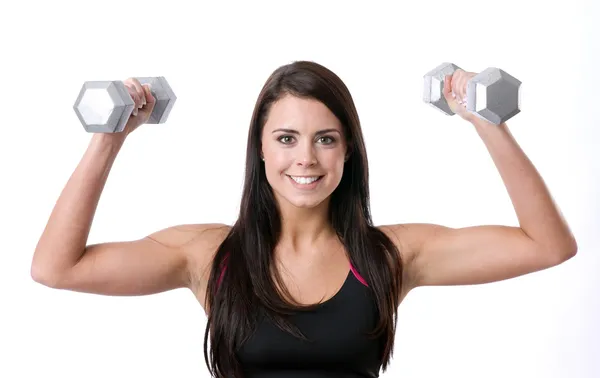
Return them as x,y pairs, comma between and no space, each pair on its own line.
64,238
538,215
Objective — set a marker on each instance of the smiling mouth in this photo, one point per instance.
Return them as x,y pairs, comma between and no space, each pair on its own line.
305,180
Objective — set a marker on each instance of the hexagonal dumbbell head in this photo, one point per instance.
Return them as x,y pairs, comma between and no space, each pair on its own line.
494,95
103,106
433,91
164,95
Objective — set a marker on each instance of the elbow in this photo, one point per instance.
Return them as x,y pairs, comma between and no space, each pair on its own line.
42,276
571,252
563,252
570,249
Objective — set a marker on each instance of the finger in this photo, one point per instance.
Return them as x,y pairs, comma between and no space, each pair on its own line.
134,96
148,96
463,87
448,95
456,90
456,100
150,100
140,92
455,85
135,85
447,91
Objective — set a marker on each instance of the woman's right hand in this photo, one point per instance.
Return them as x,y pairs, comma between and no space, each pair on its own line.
143,104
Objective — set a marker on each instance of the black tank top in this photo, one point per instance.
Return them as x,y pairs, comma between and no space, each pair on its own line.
338,342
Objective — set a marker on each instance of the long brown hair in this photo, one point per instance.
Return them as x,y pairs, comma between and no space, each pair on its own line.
248,286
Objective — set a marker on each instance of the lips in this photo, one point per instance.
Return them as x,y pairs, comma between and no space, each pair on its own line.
305,182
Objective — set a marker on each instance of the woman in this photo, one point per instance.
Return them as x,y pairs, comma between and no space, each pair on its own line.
303,284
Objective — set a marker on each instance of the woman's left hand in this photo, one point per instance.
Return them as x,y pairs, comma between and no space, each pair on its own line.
455,92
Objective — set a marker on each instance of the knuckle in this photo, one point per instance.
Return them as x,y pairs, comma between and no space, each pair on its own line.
130,89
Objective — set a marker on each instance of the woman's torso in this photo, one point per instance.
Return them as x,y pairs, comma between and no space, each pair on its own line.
339,344
338,330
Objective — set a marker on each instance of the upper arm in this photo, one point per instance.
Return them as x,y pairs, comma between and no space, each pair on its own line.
159,262
439,255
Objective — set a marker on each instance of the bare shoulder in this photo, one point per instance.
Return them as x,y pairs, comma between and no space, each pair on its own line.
199,242
409,239
411,236
190,237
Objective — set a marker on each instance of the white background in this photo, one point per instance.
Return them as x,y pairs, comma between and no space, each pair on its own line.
425,167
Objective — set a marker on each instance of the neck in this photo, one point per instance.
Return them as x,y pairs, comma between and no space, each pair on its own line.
304,228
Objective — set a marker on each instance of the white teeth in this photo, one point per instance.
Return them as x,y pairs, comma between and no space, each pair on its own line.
305,180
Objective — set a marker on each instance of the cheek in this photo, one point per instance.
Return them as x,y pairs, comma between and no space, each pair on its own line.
333,161
279,162
276,164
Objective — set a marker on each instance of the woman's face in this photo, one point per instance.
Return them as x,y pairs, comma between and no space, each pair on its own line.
304,151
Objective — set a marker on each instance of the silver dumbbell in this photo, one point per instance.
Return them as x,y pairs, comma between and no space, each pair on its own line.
105,106
492,95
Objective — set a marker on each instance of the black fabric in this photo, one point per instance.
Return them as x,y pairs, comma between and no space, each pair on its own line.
339,344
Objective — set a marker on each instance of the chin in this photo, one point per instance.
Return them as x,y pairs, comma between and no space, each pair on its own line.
305,203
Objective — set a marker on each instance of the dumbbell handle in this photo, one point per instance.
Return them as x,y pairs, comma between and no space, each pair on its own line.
160,90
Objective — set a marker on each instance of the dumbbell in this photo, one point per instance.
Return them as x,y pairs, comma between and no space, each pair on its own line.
492,95
105,106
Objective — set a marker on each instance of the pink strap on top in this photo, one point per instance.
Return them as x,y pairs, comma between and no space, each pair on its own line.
223,271
358,276
221,276
354,271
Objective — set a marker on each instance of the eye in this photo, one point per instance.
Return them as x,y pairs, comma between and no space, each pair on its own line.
285,139
326,140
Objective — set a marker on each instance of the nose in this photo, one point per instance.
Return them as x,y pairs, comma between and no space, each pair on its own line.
306,156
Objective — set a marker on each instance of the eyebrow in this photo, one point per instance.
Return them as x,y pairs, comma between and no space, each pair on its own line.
292,131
